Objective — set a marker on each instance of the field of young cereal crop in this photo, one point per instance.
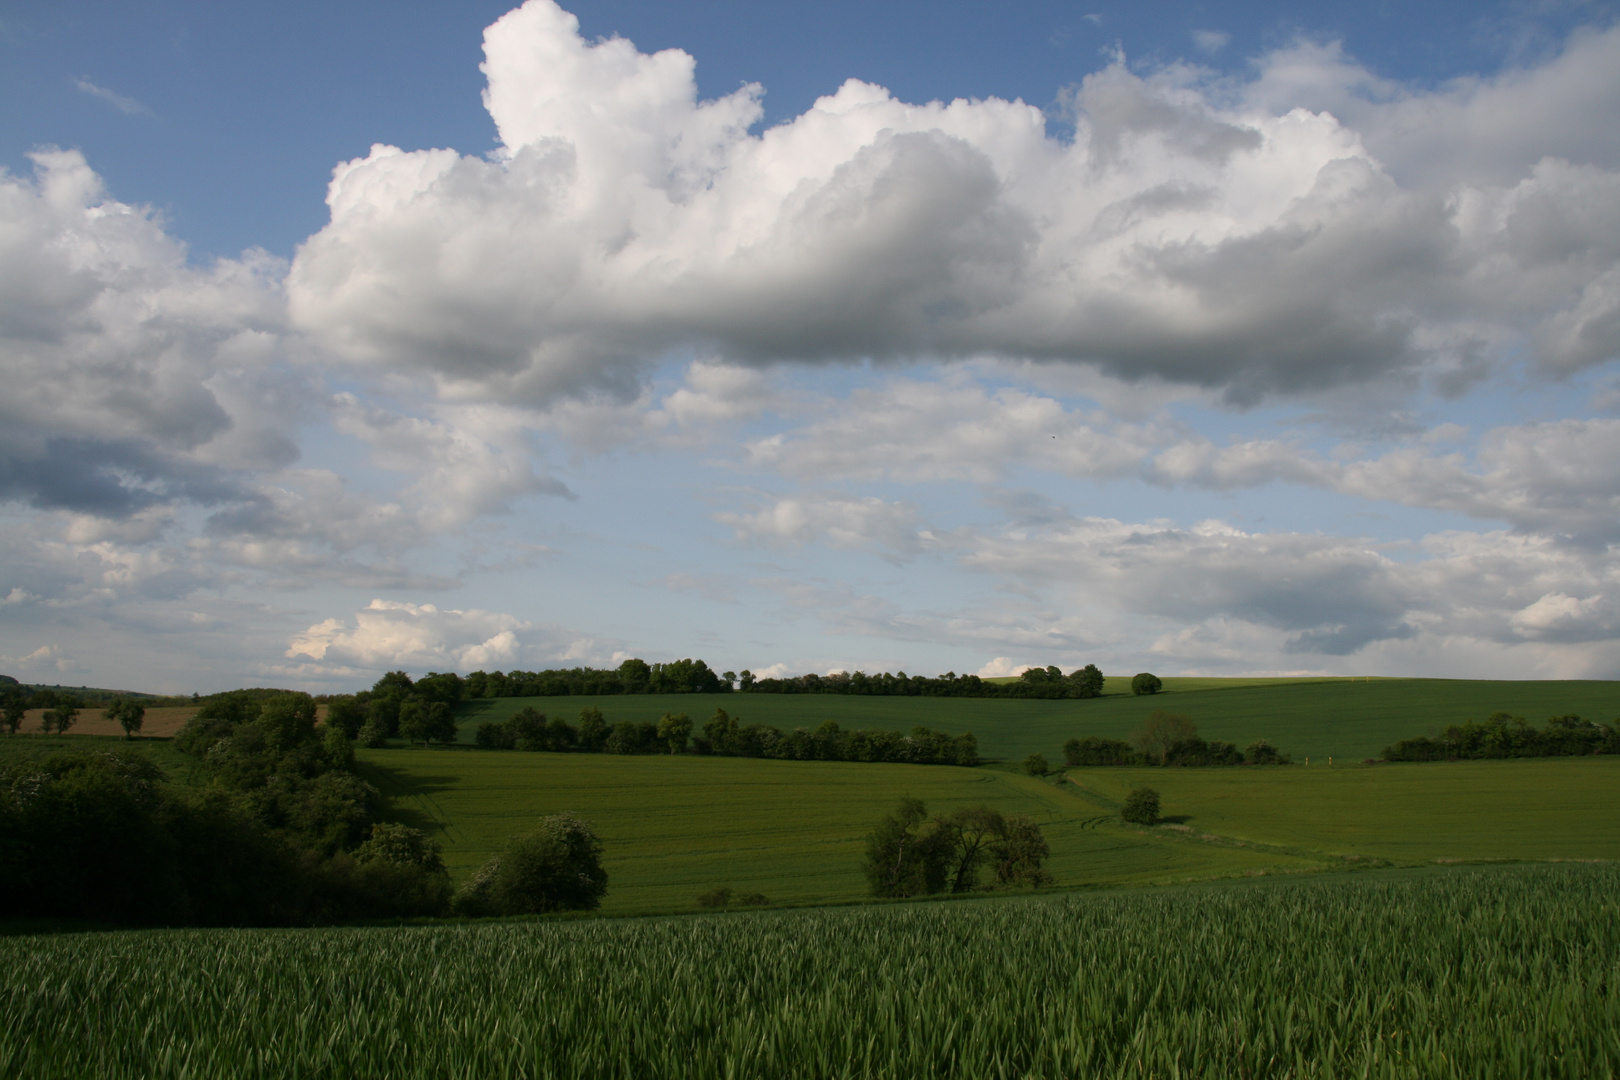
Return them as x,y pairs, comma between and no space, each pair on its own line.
1463,972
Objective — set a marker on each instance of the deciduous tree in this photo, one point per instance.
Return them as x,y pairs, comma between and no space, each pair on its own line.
128,714
904,854
1160,731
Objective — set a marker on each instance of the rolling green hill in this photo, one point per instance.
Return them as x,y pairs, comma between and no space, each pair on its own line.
1349,719
673,827
1453,811
677,826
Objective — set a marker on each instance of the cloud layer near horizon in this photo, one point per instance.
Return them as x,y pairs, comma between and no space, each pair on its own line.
851,348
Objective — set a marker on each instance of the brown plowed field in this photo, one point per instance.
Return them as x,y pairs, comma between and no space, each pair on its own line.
92,721
162,722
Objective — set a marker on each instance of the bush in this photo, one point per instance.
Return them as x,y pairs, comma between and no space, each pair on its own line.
910,854
1035,765
1263,753
1141,807
1146,682
715,898
558,867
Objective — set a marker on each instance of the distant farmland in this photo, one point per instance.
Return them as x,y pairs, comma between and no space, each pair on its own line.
1345,718
677,826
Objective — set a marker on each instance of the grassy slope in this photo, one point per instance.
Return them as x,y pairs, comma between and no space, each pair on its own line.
675,827
1550,808
1346,718
30,747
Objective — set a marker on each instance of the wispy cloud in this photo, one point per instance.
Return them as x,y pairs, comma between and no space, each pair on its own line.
126,105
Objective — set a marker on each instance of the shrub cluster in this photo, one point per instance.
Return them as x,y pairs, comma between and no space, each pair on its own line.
557,867
910,854
1141,807
1504,736
724,897
724,735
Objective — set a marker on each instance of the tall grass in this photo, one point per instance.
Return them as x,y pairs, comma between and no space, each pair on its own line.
1461,973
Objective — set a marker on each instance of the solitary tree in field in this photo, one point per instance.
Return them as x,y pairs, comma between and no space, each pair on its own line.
1141,807
1145,682
1036,765
128,714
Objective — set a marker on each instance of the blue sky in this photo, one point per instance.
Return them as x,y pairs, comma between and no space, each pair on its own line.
1190,338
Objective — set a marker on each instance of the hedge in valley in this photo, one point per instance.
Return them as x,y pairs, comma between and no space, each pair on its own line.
1167,739
1504,736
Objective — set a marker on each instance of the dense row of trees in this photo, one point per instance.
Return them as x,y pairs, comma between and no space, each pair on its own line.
724,735
910,854
631,677
695,677
1049,682
1167,739
1504,736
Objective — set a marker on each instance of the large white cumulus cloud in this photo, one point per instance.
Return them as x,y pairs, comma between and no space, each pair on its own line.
1191,229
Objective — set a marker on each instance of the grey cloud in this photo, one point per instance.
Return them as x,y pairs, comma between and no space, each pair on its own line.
111,479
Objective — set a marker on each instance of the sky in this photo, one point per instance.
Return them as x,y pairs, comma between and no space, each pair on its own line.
1189,338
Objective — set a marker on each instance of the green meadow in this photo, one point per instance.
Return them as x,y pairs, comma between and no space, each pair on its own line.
1345,718
673,827
1463,811
677,826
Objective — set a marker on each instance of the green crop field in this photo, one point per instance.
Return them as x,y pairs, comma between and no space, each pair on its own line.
673,827
1449,973
1545,808
1346,718
677,826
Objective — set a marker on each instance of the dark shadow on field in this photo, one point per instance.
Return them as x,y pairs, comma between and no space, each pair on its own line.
397,786
475,708
1175,819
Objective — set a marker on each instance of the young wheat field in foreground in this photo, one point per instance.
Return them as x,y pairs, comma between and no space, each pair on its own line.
1461,972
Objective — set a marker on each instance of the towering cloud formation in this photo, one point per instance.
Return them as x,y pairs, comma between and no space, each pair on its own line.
1189,229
